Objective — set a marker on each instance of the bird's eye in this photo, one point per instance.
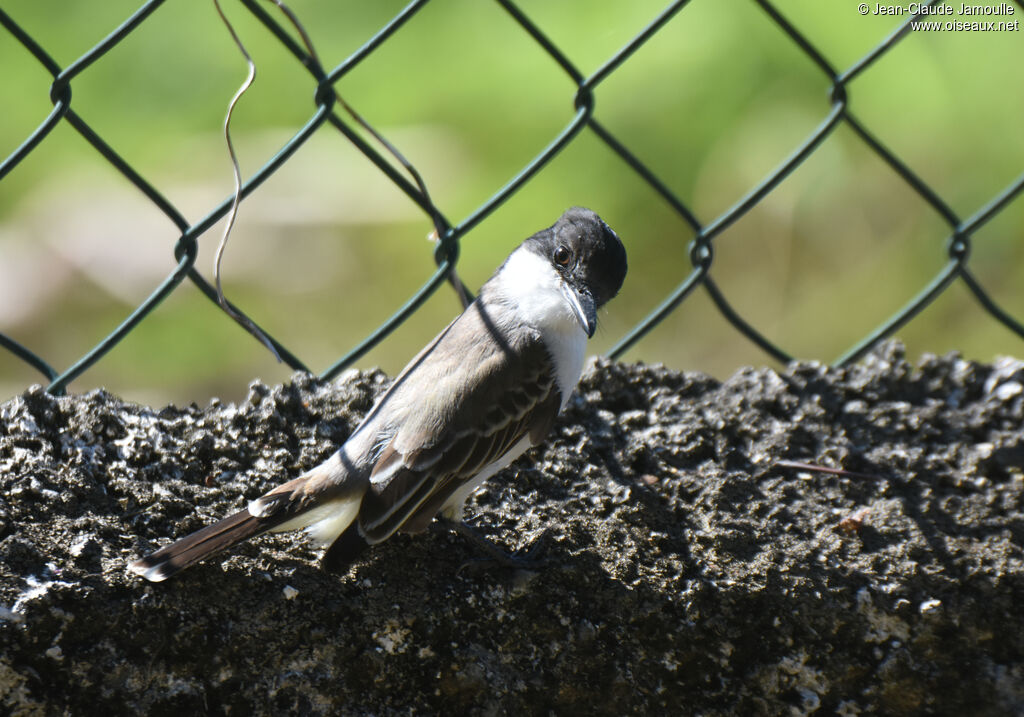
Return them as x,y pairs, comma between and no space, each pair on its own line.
562,256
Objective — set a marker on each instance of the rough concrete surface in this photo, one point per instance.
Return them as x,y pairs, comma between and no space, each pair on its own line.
689,572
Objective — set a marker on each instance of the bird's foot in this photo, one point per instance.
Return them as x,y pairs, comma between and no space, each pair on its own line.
530,557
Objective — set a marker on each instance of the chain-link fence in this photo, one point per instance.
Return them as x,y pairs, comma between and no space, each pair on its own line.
331,114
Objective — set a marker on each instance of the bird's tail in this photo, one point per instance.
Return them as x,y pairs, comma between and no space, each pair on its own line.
177,556
320,501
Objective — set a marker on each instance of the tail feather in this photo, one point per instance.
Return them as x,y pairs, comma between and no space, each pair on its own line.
324,501
177,556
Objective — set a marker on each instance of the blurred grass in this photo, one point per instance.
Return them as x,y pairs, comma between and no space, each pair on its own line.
327,248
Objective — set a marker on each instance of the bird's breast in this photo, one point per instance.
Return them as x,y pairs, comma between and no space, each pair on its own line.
567,346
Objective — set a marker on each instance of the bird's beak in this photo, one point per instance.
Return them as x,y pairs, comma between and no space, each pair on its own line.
583,308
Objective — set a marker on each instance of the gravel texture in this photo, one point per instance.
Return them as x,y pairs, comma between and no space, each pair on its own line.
689,571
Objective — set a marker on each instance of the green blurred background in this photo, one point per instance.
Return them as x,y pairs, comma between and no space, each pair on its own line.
328,248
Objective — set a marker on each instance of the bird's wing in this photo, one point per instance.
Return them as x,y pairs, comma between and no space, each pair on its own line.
501,393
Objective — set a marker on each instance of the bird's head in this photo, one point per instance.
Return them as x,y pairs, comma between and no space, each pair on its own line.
588,261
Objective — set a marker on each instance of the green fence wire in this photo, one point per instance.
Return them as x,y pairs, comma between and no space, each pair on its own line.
326,115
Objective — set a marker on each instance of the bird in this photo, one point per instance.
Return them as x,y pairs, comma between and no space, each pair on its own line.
485,390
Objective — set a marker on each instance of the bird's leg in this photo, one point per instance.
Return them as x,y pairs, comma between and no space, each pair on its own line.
343,551
532,559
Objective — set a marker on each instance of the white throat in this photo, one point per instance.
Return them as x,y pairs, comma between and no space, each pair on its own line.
533,290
